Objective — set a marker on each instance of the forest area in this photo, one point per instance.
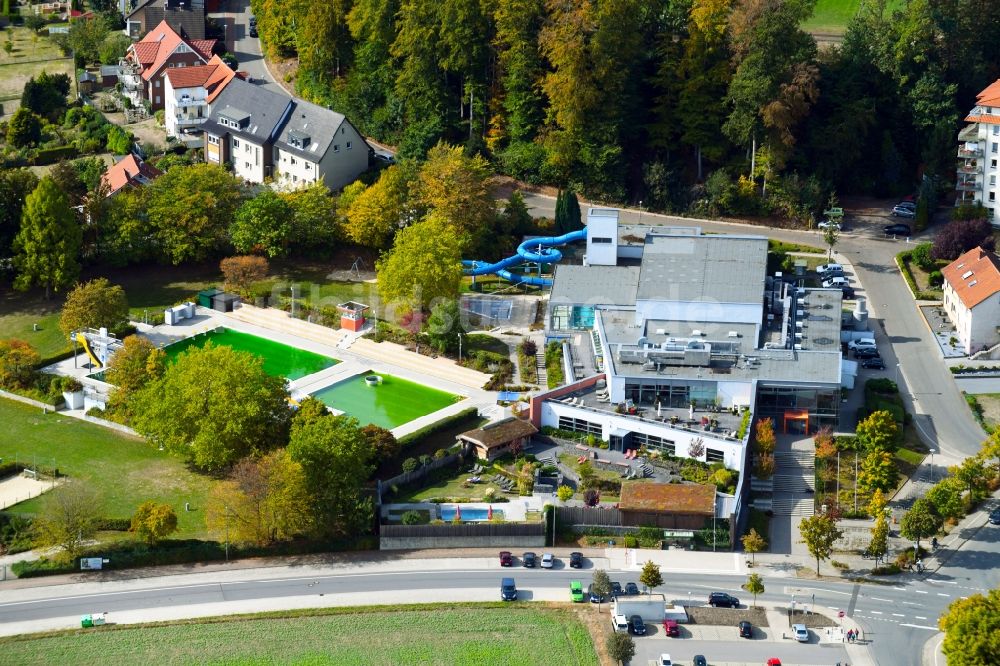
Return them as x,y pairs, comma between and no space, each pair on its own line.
714,106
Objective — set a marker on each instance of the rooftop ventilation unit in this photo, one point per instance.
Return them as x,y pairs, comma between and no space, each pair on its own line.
696,332
734,334
798,347
661,331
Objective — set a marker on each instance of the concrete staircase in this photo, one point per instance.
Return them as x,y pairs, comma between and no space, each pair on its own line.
793,483
543,376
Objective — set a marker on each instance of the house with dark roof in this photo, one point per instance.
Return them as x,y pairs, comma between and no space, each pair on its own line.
496,439
190,91
185,17
147,61
268,136
130,171
684,506
972,298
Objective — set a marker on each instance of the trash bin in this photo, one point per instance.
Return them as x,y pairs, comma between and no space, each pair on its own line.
86,621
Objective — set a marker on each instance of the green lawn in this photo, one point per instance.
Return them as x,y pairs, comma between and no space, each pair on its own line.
472,634
452,486
832,16
128,471
29,58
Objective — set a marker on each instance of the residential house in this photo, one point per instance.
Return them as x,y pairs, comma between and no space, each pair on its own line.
130,171
185,17
978,152
190,91
972,298
266,135
499,438
684,506
147,61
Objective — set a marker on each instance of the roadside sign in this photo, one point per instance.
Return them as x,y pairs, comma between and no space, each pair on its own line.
90,563
841,614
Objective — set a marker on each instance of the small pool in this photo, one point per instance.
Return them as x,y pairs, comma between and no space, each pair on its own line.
469,515
280,360
388,403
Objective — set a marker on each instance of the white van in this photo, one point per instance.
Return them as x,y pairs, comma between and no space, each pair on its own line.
832,269
836,282
619,623
861,343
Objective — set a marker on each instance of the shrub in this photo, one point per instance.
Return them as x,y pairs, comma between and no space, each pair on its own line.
921,256
45,156
529,348
961,236
935,279
415,518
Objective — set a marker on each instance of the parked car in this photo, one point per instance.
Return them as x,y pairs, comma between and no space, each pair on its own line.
896,230
699,660
848,293
801,633
575,560
631,589
995,516
904,211
619,623
720,599
548,560
616,589
773,661
838,281
671,628
665,660
873,363
253,20
746,629
637,626
829,224
253,31
830,269
595,598
865,353
867,343
576,591
506,559
529,560
508,590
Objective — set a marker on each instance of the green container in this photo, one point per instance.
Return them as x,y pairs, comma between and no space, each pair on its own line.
205,297
86,622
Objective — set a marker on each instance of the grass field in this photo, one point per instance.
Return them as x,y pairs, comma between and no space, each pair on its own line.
832,16
473,635
28,59
127,471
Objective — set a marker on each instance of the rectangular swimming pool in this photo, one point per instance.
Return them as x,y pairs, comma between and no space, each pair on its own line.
280,360
388,403
470,515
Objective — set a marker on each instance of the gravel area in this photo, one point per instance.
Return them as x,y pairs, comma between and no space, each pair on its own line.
812,620
726,616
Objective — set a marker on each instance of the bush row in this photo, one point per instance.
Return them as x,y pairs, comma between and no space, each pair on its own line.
419,435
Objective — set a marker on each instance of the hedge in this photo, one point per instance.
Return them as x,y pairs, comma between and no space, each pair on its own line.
903,262
419,435
11,468
130,554
52,155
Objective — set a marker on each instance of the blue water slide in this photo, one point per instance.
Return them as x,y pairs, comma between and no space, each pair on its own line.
534,250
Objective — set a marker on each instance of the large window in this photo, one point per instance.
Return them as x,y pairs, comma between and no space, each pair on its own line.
667,446
714,455
573,424
571,317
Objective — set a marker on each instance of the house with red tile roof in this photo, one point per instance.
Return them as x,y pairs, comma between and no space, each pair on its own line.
978,153
128,171
190,91
145,65
972,298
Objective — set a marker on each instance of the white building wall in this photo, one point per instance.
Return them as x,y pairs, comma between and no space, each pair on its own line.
294,171
602,237
612,423
342,165
982,324
248,159
172,105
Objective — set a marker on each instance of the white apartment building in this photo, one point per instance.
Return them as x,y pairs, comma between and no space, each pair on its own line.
979,152
189,93
972,298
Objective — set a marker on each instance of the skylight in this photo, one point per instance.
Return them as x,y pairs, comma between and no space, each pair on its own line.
966,275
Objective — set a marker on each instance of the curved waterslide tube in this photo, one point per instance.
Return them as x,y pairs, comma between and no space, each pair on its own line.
534,250
82,339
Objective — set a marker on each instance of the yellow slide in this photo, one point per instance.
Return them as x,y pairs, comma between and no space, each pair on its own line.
82,339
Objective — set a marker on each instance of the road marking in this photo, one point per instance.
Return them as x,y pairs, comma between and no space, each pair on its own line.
942,594
938,580
920,591
876,612
920,617
918,626
880,599
898,615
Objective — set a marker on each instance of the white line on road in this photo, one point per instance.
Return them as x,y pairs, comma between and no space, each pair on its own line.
898,615
876,612
921,591
901,589
918,626
920,617
942,594
938,580
881,599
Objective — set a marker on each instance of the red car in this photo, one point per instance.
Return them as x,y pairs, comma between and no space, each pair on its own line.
670,628
773,661
506,559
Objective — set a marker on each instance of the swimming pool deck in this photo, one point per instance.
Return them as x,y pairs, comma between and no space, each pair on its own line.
356,355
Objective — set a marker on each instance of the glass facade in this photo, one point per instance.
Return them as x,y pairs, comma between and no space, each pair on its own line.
671,394
580,425
822,404
572,318
652,442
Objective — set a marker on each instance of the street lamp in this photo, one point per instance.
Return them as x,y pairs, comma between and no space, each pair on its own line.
897,375
640,211
459,347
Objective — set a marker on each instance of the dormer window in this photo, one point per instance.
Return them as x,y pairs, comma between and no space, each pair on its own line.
298,139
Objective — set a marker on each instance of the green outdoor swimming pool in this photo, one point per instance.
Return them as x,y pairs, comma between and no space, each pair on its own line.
280,360
392,403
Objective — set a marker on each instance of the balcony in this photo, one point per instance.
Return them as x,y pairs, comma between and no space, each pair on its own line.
969,153
966,199
970,168
187,100
967,186
969,133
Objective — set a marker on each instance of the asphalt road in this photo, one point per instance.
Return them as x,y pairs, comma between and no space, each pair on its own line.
941,415
244,47
897,618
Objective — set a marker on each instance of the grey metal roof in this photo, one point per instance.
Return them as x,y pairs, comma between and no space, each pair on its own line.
265,108
110,70
721,269
318,124
595,285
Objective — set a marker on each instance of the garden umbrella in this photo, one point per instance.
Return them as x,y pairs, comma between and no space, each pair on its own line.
458,512
489,512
